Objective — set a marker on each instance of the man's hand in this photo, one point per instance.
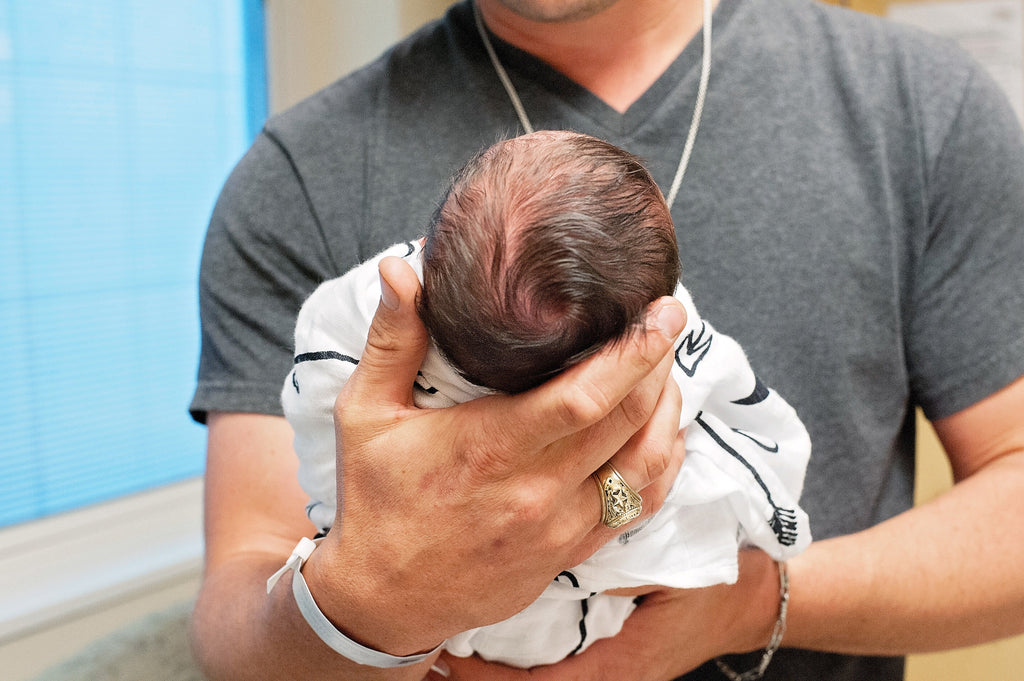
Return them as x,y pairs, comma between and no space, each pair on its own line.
455,518
670,633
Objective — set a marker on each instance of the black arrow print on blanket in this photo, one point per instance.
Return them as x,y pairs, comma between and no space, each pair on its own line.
331,354
759,394
783,520
692,350
324,354
316,357
759,440
584,608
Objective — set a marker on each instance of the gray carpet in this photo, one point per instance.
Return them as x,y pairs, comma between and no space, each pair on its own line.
155,648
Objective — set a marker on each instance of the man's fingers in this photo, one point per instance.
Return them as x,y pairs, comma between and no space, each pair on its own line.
396,341
656,493
649,463
590,391
630,428
650,460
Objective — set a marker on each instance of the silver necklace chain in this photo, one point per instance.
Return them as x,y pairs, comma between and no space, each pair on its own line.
698,107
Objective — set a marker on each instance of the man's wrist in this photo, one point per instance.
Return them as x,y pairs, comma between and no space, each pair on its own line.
774,643
759,575
359,611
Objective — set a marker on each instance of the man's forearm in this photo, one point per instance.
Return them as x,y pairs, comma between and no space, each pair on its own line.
253,518
261,636
943,575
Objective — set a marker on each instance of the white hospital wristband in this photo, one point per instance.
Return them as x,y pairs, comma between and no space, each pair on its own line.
322,626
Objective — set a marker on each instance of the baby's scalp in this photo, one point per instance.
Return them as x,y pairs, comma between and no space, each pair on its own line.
545,248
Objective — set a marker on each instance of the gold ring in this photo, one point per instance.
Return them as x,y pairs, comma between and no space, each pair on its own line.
619,502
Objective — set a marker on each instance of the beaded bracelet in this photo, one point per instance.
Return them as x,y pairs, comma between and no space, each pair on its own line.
776,640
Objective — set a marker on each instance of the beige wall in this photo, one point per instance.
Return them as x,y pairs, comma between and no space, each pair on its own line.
310,43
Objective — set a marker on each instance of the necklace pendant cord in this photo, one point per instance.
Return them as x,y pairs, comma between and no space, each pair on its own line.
510,89
698,107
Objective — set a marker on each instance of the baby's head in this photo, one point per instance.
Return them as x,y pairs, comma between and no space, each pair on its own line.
545,248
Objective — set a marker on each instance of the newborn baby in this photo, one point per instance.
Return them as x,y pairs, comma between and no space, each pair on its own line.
546,248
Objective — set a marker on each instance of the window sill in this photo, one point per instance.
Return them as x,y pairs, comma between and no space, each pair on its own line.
55,568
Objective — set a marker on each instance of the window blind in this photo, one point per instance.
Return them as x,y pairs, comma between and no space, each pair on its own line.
119,121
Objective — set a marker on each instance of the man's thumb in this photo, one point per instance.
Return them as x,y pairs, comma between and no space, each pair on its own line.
396,340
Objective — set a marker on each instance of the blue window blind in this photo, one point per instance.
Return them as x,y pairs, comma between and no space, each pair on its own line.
119,120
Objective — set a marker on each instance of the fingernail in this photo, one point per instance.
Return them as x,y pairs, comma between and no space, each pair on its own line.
388,296
441,668
670,320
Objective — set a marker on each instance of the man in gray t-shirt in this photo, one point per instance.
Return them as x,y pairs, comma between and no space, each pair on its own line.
852,214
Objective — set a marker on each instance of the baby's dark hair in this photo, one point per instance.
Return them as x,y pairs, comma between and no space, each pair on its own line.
545,248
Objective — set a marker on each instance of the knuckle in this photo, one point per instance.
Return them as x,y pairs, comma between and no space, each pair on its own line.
654,502
381,340
640,352
584,404
529,504
345,412
640,404
564,538
391,333
356,421
637,407
657,456
659,468
481,459
525,510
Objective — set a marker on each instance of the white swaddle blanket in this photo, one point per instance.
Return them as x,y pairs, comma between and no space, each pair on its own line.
746,454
